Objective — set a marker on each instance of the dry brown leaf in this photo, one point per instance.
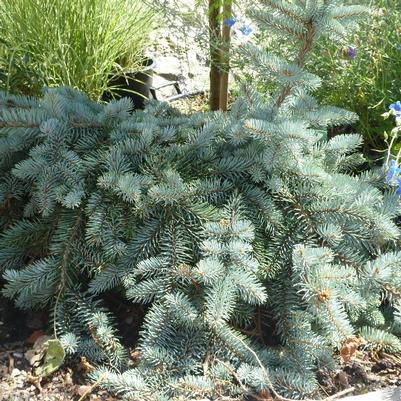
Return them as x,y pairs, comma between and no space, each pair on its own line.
67,378
35,354
349,347
85,366
264,395
34,336
36,381
135,355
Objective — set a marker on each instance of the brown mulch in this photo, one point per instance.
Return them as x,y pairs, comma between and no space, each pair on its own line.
19,385
366,371
18,331
191,104
197,103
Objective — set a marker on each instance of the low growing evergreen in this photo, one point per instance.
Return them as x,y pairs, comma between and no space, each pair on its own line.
256,244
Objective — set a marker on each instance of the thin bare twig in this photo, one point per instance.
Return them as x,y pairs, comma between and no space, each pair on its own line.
92,387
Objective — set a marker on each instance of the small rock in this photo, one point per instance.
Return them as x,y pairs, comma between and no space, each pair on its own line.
20,384
169,67
373,378
24,394
15,372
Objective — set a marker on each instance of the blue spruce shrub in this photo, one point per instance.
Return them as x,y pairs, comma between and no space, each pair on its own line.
223,224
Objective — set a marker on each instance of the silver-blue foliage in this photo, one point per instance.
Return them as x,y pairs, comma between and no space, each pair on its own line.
238,230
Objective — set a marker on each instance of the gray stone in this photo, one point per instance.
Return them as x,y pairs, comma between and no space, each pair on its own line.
390,394
15,372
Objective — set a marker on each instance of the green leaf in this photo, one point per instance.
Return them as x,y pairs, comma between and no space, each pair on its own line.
53,358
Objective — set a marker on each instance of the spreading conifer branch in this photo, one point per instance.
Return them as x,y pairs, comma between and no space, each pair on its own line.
207,219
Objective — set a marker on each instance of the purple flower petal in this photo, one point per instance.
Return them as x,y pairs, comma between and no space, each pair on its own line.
351,52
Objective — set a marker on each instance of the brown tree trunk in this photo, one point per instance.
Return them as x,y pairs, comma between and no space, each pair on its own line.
225,62
215,56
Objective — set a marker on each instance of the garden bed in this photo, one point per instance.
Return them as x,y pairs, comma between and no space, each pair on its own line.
17,332
177,254
365,372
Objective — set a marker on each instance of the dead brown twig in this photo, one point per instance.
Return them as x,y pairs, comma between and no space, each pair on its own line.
92,387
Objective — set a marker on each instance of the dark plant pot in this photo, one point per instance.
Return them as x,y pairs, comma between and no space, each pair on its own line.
137,86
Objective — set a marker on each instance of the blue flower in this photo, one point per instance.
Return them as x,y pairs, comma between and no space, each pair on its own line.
230,21
246,30
351,52
399,48
396,108
399,187
393,171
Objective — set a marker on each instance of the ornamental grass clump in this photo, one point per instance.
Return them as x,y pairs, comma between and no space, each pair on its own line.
257,248
77,43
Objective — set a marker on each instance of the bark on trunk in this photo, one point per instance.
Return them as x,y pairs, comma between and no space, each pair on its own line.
225,65
215,56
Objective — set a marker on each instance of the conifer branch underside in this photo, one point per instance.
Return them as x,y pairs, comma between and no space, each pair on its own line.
66,255
270,384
